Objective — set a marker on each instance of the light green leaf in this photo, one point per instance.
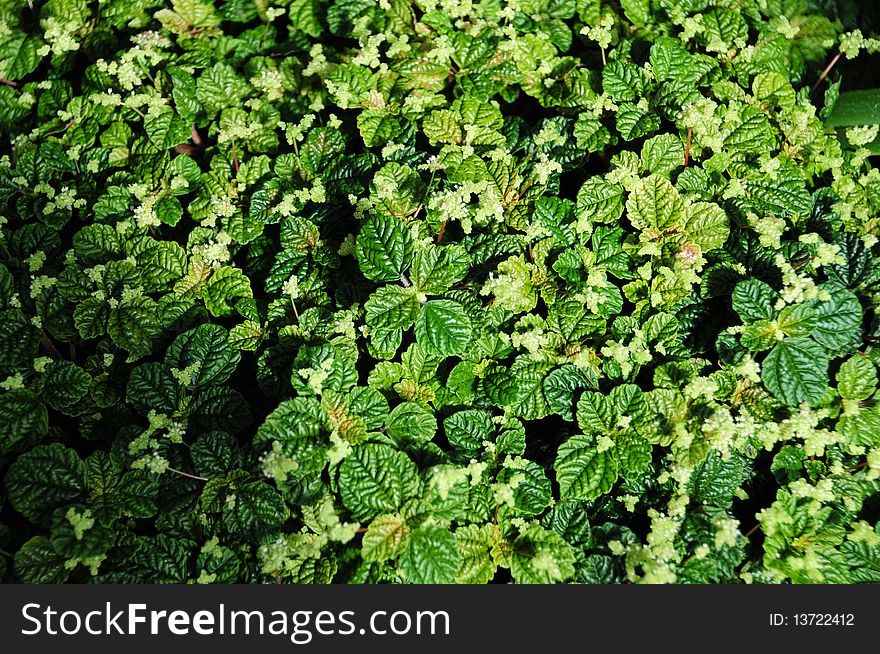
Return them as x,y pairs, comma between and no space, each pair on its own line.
857,378
385,538
376,479
475,543
582,472
392,307
600,201
430,556
541,556
224,288
655,204
707,225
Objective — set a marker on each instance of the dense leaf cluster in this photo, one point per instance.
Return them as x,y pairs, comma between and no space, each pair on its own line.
436,291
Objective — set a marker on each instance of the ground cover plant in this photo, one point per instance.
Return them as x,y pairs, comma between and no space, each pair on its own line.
434,291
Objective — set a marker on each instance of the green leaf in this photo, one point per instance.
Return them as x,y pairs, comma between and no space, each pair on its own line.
670,61
854,108
857,378
707,225
531,488
796,371
560,387
638,11
254,507
600,201
634,122
716,479
754,134
205,352
304,15
376,479
859,268
224,288
797,320
582,472
158,559
76,535
153,386
133,325
214,453
23,418
384,248
655,204
624,81
443,328
64,385
596,413
435,269
519,388
392,308
384,538
466,430
219,87
37,562
411,421
724,27
753,300
662,154
541,556
114,493
475,543
184,93
166,129
430,556
376,128
839,320
18,55
161,262
90,318
590,134
44,479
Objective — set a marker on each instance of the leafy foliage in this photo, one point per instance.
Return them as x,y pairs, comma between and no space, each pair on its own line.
435,291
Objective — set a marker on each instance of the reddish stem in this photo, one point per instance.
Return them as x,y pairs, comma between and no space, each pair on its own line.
827,70
687,147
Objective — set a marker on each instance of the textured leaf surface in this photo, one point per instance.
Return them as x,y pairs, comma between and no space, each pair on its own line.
796,371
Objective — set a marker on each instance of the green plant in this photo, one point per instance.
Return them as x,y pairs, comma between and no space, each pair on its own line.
436,291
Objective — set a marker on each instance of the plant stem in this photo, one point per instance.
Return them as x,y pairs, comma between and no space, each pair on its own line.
827,70
186,474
